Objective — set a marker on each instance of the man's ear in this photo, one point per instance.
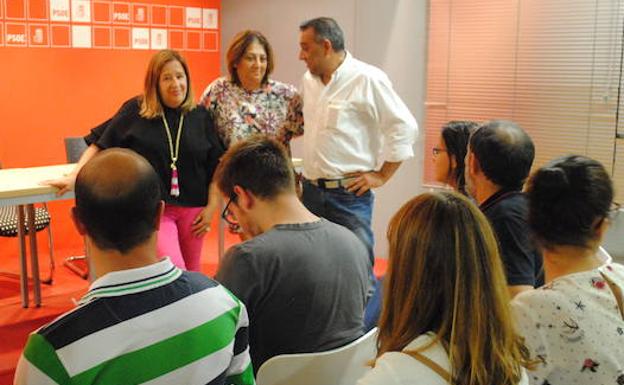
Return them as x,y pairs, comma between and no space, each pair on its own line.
327,46
244,199
77,223
473,164
159,214
453,162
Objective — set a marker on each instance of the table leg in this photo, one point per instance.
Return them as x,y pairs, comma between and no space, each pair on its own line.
21,237
221,240
34,256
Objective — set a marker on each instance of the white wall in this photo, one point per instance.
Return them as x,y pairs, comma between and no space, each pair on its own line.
390,34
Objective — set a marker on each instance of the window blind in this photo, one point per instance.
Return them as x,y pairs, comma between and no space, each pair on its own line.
554,67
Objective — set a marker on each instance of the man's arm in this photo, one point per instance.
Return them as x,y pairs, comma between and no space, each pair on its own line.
364,181
516,253
240,371
399,129
39,364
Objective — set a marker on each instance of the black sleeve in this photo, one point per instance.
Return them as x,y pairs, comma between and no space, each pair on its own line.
216,146
517,250
96,132
110,135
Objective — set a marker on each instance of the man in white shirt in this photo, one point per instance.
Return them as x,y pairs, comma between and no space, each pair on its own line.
353,121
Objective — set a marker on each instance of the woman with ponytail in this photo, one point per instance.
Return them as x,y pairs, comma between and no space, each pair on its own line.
573,325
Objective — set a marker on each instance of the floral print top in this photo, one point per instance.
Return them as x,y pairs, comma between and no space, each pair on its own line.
574,328
274,109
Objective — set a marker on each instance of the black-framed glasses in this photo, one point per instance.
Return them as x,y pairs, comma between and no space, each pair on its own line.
227,214
437,150
614,211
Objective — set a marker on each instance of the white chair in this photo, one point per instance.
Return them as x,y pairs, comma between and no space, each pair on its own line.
341,366
613,241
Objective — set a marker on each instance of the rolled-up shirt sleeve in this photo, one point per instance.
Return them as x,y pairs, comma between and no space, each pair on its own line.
397,124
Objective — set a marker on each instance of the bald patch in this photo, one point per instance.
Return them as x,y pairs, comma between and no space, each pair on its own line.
510,134
113,173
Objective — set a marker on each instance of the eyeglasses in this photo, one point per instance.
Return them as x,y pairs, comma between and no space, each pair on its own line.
614,211
228,216
437,150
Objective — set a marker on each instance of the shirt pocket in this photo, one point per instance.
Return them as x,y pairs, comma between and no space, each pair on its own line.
342,116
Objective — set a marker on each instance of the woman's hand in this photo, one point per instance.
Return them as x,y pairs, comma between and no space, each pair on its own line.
63,184
201,224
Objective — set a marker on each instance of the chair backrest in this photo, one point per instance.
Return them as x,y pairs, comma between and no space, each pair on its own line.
613,241
74,147
341,366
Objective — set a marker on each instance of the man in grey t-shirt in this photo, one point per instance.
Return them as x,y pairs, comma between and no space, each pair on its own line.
303,279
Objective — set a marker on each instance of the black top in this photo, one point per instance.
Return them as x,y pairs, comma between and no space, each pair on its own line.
304,286
200,147
508,212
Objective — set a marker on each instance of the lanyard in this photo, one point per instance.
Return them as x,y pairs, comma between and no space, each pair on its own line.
174,152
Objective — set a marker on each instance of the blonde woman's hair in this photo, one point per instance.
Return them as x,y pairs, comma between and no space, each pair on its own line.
151,103
445,276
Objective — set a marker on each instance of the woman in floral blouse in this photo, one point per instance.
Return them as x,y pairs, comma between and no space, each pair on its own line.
574,325
247,102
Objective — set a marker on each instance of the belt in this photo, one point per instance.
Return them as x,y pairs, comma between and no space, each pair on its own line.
330,183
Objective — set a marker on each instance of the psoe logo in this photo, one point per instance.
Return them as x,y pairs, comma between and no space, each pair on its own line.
16,38
121,16
60,13
141,41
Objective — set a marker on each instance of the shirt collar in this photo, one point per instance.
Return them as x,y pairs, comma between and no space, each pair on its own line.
344,67
498,196
130,281
339,72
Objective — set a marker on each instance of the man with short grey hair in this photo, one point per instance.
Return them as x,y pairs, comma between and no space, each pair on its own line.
352,116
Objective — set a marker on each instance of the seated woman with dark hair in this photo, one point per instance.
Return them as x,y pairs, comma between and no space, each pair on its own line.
448,168
446,316
450,152
573,325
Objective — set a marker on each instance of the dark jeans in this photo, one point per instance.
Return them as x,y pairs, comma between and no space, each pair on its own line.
344,208
373,307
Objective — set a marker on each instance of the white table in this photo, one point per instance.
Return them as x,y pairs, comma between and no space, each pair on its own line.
21,187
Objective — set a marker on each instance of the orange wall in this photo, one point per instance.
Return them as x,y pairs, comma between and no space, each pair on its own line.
47,94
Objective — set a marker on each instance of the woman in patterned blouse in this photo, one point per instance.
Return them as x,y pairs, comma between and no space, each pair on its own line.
574,325
247,102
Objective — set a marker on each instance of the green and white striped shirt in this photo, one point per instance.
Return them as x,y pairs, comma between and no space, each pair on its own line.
152,325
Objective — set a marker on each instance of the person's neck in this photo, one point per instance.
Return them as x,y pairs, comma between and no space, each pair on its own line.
563,260
107,261
170,111
485,189
335,60
250,86
284,209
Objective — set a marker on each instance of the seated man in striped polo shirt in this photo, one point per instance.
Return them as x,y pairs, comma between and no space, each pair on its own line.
143,319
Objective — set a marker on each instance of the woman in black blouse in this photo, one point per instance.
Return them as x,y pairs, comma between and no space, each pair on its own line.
178,138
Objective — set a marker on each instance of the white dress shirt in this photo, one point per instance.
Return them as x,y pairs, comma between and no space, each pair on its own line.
353,121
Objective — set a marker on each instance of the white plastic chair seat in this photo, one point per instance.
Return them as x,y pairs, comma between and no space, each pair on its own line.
341,366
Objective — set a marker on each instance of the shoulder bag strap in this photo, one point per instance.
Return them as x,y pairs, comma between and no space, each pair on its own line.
617,293
430,364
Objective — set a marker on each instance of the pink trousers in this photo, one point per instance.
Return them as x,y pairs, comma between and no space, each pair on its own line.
176,240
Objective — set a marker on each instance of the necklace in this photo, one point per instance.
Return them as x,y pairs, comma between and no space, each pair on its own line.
173,152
